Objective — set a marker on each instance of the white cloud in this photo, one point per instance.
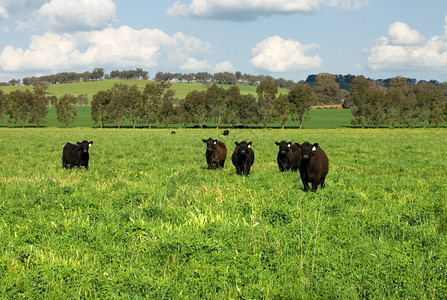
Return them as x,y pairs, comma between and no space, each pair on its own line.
401,34
406,48
276,54
193,64
123,47
224,66
79,15
3,13
246,10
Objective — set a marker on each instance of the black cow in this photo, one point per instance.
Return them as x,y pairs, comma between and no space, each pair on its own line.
289,156
173,132
216,153
76,155
226,132
314,166
243,157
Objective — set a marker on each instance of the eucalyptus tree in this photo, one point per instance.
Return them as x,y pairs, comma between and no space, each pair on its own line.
266,91
281,109
19,107
66,110
300,98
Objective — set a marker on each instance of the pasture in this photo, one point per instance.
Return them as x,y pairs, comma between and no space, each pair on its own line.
148,220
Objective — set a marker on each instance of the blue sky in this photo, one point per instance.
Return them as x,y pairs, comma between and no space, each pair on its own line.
282,38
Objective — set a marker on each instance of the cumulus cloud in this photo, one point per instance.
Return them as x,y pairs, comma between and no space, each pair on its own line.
224,66
3,13
193,64
246,10
123,47
276,54
78,14
406,48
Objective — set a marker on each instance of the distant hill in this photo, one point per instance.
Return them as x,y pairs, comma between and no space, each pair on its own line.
92,87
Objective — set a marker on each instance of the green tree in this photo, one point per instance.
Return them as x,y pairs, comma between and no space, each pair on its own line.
99,105
375,106
39,110
248,110
300,98
66,110
359,96
326,89
281,109
152,101
232,96
195,106
3,98
266,91
19,107
132,101
166,111
215,99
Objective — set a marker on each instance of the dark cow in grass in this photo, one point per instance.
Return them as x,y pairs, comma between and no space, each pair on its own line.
76,155
289,156
314,166
216,153
243,157
226,132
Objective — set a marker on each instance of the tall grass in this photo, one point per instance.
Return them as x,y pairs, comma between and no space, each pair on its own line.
148,220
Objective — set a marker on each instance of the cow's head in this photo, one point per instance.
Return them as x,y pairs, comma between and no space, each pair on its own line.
210,144
307,149
85,145
242,148
283,146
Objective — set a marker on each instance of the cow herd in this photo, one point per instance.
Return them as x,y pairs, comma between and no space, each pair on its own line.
309,159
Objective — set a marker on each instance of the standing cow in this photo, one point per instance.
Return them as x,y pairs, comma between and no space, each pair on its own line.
243,157
76,155
226,132
216,153
289,156
314,166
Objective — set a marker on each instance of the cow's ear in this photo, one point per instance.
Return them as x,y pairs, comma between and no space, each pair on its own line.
289,144
314,147
276,143
204,140
249,144
78,143
215,142
89,144
298,144
236,143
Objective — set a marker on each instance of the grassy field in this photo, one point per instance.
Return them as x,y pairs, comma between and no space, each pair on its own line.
147,220
92,87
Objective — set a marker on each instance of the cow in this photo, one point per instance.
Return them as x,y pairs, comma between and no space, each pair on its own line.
76,155
289,156
314,166
173,132
216,153
226,132
243,157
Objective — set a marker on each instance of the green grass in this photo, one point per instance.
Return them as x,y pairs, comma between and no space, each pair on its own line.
147,220
92,87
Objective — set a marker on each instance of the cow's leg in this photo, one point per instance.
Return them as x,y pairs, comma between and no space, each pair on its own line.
314,186
305,184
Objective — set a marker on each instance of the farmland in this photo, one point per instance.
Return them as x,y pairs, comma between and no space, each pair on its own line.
147,220
92,87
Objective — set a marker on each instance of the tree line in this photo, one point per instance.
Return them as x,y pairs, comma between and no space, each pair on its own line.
157,104
373,103
400,103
